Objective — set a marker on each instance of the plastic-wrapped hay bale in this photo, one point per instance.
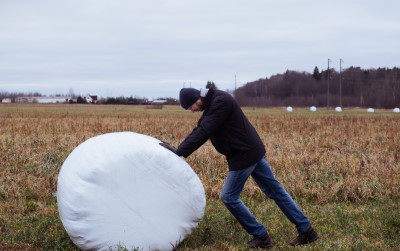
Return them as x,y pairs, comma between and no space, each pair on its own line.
313,108
370,110
338,109
125,190
289,109
396,110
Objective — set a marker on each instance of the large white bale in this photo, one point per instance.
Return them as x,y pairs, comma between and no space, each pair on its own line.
396,110
338,109
289,109
370,110
125,190
313,108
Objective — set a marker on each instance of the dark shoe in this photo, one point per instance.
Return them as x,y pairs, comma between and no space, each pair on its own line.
262,241
310,235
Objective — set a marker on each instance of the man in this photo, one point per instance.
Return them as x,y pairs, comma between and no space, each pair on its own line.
230,132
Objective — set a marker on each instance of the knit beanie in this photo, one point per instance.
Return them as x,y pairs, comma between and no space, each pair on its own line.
188,96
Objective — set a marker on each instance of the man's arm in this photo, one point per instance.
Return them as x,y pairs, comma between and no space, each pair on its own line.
217,114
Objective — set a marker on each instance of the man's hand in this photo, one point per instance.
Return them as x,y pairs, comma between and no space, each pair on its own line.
169,147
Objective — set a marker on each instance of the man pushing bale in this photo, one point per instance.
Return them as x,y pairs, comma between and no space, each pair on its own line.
231,133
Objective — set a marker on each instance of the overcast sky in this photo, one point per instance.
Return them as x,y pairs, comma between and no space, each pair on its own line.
152,48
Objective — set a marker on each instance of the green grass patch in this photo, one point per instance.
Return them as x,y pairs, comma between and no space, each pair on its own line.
372,225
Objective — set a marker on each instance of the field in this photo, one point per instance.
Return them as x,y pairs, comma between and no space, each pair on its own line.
342,168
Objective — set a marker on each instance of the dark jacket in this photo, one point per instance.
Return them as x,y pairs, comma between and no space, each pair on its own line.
230,132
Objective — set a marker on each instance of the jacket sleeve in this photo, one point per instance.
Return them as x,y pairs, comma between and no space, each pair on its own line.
219,110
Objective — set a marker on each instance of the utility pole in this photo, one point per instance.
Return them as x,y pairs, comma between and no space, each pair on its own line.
329,82
340,82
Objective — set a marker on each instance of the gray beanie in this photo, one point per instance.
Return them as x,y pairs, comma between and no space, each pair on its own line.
188,96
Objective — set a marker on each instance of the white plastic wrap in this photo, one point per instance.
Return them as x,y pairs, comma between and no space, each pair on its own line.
125,190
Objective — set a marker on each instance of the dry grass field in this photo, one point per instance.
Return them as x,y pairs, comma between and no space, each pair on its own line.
342,168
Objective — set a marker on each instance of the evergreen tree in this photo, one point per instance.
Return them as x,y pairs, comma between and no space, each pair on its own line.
316,74
80,100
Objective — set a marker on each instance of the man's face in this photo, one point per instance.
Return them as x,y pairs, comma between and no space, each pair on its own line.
197,106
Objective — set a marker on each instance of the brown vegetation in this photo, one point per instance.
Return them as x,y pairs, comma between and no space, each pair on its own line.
327,157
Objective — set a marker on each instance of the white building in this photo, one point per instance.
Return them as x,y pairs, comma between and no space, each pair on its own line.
6,100
159,101
91,99
43,100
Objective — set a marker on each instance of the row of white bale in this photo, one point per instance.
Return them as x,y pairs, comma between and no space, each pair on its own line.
339,109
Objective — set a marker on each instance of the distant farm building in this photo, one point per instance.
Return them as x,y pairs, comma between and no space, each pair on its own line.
91,99
6,100
43,100
157,104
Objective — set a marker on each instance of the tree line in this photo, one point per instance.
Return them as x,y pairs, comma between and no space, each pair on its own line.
352,87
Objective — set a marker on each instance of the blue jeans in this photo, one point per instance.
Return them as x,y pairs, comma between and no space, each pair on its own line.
263,176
